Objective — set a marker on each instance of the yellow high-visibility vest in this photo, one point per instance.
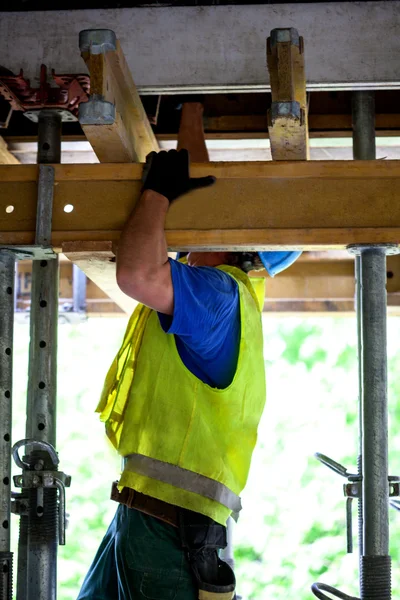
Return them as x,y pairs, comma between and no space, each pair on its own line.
185,442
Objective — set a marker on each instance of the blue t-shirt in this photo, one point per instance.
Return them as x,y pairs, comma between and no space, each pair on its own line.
205,322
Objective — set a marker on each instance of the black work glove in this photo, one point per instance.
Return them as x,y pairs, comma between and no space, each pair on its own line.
168,174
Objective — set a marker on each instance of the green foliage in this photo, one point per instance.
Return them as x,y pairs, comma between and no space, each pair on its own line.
247,553
297,348
318,531
292,530
347,359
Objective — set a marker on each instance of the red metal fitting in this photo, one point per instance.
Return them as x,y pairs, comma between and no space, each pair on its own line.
71,91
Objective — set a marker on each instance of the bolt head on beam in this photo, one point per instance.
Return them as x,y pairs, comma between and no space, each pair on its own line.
289,34
290,110
97,41
96,111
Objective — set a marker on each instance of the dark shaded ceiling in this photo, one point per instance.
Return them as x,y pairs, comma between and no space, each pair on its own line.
32,5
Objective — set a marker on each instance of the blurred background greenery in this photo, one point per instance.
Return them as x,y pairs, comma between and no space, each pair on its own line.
292,529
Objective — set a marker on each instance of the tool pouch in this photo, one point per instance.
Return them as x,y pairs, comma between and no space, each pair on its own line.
202,537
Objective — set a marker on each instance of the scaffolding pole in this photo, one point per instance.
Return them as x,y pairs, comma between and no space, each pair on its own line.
375,579
371,307
38,543
7,280
371,484
364,148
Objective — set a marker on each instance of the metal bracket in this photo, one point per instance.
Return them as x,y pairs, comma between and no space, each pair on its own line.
97,111
37,479
353,489
286,109
34,477
66,115
97,41
285,35
66,95
19,504
32,252
390,249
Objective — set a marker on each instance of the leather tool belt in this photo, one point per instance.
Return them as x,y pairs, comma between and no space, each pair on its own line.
151,506
201,539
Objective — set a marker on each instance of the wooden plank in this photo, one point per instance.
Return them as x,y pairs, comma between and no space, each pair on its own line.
308,286
316,122
130,138
311,205
287,118
6,158
324,280
343,121
320,283
97,261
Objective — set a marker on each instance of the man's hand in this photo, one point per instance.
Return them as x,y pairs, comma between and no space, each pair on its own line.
167,173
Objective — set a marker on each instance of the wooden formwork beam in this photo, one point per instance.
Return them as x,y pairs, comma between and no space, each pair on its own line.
114,120
258,205
97,261
287,118
319,285
320,125
6,158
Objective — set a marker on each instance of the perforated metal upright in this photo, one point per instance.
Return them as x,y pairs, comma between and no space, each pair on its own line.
38,544
7,279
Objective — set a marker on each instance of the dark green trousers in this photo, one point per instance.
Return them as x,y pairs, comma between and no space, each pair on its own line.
140,557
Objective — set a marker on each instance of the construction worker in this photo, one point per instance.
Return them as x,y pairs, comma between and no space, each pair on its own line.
182,400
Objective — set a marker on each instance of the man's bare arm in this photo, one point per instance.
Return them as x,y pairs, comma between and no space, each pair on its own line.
143,270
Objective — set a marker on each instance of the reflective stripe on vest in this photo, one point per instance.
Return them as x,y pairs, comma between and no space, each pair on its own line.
183,479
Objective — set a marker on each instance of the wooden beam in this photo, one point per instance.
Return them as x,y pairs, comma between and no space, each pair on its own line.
343,121
98,263
315,284
287,118
324,123
130,137
324,280
6,158
311,205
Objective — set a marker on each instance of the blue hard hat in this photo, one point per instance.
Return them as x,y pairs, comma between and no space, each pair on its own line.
273,261
277,261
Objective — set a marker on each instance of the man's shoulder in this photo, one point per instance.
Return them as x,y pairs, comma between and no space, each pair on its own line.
214,277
